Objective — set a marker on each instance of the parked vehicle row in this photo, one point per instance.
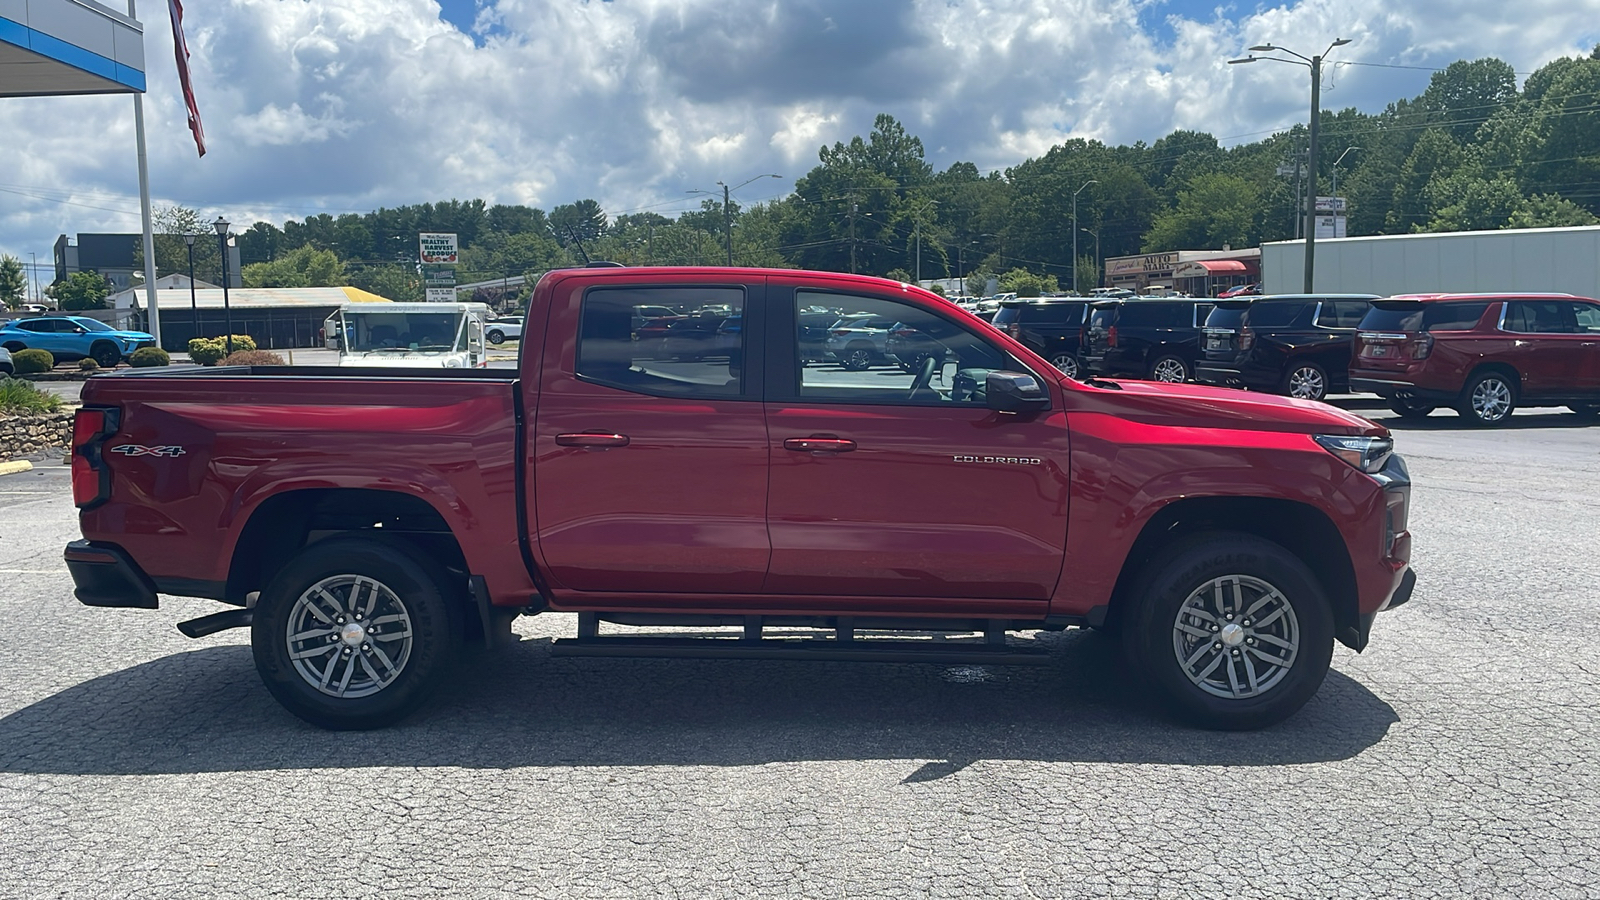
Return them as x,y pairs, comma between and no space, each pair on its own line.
73,337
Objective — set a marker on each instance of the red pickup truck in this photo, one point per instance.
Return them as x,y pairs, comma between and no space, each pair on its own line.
366,524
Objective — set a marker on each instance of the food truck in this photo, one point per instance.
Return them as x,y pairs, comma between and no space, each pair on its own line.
416,335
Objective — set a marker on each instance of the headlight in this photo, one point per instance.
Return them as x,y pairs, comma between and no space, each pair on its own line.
1365,453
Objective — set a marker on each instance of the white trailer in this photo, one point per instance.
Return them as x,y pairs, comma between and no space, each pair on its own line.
424,335
1553,260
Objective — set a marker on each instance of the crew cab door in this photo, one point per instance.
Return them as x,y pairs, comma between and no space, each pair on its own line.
897,480
649,472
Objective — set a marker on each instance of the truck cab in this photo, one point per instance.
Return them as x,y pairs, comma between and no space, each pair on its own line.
409,335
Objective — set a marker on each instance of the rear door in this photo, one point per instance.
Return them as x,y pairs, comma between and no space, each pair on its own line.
649,472
891,484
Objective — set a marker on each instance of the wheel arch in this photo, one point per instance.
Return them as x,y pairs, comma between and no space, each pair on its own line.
1299,528
1503,368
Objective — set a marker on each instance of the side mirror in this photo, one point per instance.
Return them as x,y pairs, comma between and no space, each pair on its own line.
1015,392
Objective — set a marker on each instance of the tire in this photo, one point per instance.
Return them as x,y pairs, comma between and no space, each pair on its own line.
396,672
1407,409
1586,410
858,358
1177,602
1488,399
1171,369
1306,381
16,346
496,337
106,355
1068,364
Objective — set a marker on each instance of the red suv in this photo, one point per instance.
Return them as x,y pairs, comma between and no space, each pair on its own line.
1481,354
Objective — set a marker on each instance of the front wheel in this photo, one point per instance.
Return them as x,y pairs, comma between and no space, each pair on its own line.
1067,364
1488,399
496,337
105,355
1306,381
1232,630
857,359
1170,369
354,633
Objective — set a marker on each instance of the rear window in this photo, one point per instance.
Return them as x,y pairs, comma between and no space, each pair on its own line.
1006,315
1423,316
1055,314
1227,315
1156,315
1268,315
1103,317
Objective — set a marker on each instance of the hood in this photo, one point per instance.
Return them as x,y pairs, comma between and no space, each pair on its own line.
130,335
1200,406
405,359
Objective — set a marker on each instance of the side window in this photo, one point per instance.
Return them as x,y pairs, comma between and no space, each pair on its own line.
1202,311
1588,317
39,326
1537,317
1452,316
918,358
699,353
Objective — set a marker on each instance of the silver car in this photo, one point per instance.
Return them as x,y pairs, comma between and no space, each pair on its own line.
859,342
5,361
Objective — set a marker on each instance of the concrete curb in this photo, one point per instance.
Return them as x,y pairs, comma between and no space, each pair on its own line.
15,466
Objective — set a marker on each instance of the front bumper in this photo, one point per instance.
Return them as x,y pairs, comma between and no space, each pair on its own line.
104,575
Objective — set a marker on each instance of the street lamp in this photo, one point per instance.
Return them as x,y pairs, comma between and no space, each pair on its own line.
727,215
1314,63
1336,183
194,309
221,225
1075,232
1100,276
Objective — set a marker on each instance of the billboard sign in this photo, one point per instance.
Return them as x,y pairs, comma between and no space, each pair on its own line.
438,276
441,295
1330,227
438,249
1330,204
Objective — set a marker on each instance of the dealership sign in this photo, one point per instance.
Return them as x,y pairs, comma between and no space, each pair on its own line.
438,249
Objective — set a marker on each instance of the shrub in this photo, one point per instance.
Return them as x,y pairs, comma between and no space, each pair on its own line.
210,351
27,362
253,358
18,396
88,364
146,357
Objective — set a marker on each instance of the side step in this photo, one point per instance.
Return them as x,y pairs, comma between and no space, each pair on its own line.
844,647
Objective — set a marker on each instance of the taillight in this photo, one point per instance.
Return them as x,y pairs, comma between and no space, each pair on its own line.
1247,338
91,478
904,332
1422,346
843,332
1111,336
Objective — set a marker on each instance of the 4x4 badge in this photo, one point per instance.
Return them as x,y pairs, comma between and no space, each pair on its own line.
142,450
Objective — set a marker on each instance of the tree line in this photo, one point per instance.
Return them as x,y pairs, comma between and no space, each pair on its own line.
1473,151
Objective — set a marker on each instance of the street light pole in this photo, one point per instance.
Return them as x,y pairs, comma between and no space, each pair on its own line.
727,211
1335,189
221,225
1314,63
1099,275
1075,232
194,308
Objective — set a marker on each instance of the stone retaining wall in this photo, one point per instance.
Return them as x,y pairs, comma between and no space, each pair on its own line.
21,435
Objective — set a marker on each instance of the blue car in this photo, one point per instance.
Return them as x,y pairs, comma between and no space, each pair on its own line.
73,337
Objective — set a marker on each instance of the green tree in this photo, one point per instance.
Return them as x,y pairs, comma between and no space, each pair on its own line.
83,290
1466,201
394,281
1027,284
301,267
1214,210
13,282
169,225
1550,211
584,221
1466,93
1435,153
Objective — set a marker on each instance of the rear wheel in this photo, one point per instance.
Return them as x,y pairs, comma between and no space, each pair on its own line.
1489,399
1067,364
1410,409
1306,381
1232,630
15,346
858,358
105,354
496,336
354,633
1171,369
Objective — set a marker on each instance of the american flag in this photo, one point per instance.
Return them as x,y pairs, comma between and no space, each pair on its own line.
180,49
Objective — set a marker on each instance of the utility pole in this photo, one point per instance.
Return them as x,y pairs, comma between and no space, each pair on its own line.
727,223
1075,232
852,234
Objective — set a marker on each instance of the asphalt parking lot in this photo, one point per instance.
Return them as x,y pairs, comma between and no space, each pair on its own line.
1456,757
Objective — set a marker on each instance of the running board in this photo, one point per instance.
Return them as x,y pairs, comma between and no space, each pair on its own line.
849,650
222,621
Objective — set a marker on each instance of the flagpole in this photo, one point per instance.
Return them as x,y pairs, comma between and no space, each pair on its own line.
144,208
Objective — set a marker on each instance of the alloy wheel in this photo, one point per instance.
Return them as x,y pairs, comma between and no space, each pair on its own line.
1491,400
1307,383
1170,370
349,636
1066,363
1236,637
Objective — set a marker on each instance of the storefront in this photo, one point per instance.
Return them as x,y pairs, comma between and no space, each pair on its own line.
1198,273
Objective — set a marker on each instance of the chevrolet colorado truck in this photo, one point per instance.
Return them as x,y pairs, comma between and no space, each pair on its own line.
366,524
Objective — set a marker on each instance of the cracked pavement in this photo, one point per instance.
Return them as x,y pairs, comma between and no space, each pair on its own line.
1455,758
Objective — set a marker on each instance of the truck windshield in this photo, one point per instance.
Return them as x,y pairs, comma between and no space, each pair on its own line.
381,331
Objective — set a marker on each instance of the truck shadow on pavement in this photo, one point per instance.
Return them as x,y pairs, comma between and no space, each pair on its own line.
205,711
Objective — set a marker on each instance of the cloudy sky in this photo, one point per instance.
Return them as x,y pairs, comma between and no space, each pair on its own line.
345,105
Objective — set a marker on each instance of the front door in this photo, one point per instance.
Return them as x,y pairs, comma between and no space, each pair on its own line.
650,468
1547,351
897,480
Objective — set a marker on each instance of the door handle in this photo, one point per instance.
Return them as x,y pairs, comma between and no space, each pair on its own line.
819,444
592,439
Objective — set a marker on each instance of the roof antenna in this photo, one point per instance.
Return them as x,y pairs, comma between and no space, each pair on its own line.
574,235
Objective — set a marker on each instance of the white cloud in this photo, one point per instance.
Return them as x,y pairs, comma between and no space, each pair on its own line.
350,104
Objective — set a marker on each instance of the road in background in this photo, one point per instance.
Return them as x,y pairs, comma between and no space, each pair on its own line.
1454,758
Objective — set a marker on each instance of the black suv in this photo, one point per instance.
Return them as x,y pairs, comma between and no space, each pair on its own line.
1294,344
1144,338
1049,328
